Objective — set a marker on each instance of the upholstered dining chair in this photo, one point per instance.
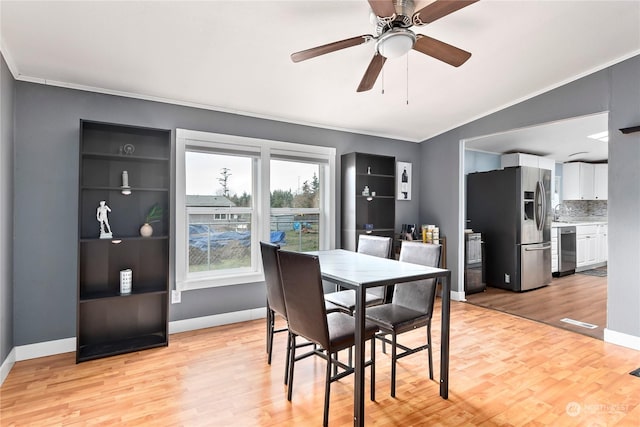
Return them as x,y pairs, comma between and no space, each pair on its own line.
275,299
410,308
308,318
370,245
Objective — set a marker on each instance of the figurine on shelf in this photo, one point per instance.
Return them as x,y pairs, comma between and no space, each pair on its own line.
101,216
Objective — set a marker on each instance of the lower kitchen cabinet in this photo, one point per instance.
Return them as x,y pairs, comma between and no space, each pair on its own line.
591,245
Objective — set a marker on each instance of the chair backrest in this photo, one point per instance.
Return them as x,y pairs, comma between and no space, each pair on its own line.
377,246
304,296
419,295
374,245
272,278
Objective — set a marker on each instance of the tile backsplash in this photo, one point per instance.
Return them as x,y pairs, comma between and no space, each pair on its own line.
585,209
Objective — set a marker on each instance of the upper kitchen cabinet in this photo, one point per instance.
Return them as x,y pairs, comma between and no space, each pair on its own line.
601,181
585,181
523,159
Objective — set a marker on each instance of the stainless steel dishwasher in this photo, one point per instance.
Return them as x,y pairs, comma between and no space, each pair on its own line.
567,250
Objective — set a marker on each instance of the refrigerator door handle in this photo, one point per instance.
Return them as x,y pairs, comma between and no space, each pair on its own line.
541,248
540,207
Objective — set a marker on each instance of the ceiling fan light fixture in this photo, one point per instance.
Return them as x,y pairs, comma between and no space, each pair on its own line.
395,42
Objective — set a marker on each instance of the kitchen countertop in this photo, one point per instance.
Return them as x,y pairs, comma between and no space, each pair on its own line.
577,222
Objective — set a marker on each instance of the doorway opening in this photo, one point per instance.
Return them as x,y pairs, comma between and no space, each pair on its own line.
575,302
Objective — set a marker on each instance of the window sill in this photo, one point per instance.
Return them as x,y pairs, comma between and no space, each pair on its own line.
215,282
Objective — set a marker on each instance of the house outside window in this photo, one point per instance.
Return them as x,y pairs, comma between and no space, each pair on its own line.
232,192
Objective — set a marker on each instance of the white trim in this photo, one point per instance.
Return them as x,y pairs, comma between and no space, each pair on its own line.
458,296
6,366
619,338
203,322
46,348
462,213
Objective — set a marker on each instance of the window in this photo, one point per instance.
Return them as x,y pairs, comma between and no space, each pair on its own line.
232,192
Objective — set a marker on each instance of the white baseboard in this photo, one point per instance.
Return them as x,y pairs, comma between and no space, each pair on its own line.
6,366
622,339
458,296
216,320
47,348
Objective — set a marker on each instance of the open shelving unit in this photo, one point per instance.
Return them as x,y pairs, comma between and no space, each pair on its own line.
378,173
108,322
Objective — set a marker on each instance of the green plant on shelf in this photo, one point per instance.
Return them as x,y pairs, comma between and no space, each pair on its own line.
154,214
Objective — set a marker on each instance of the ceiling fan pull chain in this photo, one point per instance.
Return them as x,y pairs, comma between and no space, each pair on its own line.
382,81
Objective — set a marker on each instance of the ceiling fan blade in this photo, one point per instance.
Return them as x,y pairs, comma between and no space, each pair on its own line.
372,73
441,50
438,9
383,8
330,47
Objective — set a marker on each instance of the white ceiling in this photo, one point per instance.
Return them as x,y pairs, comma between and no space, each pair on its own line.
563,141
234,56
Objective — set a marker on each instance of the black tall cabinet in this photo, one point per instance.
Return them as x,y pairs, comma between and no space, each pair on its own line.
110,322
373,213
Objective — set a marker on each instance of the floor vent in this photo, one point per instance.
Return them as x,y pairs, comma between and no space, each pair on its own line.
636,372
578,323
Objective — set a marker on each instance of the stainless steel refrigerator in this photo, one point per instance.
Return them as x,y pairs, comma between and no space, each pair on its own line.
511,208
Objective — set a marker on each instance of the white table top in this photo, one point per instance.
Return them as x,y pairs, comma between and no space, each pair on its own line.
351,269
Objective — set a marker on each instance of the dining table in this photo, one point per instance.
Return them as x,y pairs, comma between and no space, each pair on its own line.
352,270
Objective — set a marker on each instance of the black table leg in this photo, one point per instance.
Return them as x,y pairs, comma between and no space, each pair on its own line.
444,336
358,400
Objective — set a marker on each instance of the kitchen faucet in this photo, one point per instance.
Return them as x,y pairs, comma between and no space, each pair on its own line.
559,209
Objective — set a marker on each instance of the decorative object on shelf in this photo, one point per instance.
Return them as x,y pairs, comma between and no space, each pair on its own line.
368,227
373,193
125,189
408,232
103,219
403,174
154,215
365,192
128,149
126,277
369,170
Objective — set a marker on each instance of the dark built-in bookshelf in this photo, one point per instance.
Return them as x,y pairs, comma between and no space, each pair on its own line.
378,174
108,322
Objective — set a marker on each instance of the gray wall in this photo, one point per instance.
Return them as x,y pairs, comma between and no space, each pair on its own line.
6,210
615,89
46,174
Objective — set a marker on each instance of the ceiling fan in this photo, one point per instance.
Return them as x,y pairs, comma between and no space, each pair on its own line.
394,38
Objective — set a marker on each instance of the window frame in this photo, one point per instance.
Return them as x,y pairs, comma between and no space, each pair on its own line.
263,151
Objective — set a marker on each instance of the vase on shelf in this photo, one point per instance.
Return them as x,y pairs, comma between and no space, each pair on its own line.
146,230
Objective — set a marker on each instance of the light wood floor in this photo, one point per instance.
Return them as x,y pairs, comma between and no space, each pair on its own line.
577,296
505,370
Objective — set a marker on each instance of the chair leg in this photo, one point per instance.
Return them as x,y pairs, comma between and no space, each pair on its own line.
373,369
270,331
327,392
393,364
292,360
286,366
429,351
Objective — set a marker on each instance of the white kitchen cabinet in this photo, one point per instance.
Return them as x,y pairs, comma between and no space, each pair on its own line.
578,181
602,243
590,248
600,181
